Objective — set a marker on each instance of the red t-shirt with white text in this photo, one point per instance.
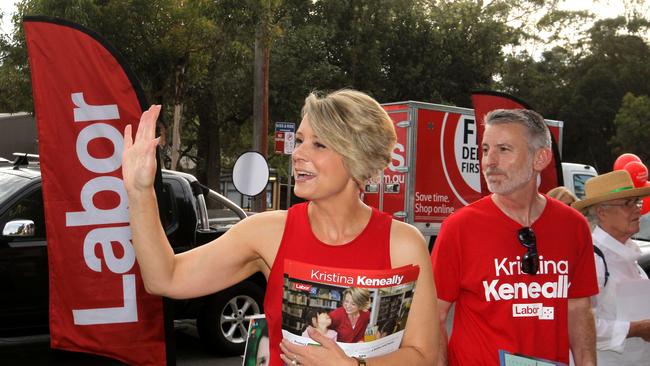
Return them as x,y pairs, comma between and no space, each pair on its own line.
476,264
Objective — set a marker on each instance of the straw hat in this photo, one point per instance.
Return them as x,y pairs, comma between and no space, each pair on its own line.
562,194
611,186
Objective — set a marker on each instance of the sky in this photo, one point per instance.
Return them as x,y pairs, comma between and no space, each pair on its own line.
7,7
602,7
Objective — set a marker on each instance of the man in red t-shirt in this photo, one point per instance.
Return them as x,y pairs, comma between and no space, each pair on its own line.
517,264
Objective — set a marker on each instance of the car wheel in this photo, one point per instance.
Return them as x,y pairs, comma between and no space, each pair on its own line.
223,321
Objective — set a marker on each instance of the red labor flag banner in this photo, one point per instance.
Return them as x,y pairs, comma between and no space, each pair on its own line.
84,96
486,101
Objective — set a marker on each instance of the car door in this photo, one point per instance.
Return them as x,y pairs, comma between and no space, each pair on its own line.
23,267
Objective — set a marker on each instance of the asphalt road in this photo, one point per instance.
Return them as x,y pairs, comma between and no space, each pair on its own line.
35,351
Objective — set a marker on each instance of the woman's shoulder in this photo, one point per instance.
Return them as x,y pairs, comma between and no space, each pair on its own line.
267,218
405,233
264,225
407,245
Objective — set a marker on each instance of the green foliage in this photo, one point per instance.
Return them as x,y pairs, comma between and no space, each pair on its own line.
199,54
633,127
584,84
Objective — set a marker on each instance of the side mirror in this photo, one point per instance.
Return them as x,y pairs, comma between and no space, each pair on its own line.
19,229
250,173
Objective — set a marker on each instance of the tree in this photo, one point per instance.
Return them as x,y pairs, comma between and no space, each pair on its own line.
615,65
633,127
190,40
583,84
196,58
545,83
221,100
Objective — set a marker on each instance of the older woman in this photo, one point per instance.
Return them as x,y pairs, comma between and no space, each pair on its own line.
344,138
352,318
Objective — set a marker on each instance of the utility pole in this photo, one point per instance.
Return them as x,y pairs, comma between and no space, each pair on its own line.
261,93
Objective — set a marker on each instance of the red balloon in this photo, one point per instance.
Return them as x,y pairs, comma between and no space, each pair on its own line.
638,171
623,159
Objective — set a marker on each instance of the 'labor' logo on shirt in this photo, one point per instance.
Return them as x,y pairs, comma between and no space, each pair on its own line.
536,310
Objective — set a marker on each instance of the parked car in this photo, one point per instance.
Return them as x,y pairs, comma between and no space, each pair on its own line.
191,214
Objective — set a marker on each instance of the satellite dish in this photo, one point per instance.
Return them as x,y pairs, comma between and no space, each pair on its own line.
250,174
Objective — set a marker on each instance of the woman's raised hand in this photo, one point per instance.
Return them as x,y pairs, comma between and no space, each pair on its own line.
139,157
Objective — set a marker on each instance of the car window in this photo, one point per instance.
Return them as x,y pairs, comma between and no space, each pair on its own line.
28,207
10,184
579,181
219,216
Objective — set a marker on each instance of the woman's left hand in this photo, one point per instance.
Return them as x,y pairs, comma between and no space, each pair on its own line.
328,353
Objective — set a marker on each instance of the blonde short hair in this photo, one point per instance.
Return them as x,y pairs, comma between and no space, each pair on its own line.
360,296
354,125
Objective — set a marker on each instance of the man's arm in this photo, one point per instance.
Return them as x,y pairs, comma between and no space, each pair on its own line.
443,310
641,329
582,331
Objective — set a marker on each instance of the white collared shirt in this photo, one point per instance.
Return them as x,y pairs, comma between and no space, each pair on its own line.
614,348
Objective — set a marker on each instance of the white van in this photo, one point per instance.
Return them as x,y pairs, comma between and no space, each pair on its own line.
575,176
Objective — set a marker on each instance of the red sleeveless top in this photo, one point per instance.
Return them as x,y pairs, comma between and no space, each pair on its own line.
369,250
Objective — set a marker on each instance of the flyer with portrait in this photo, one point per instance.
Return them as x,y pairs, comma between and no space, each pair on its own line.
364,311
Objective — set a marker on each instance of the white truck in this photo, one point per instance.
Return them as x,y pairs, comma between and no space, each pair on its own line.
575,175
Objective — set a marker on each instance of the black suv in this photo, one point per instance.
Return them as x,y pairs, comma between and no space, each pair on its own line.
192,215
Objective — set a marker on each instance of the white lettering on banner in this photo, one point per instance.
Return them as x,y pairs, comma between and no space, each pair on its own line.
522,290
105,236
91,215
102,165
85,112
127,313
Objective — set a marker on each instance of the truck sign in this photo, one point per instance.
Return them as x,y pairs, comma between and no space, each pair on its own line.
435,167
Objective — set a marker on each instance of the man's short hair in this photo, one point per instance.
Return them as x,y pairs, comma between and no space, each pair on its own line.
538,132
